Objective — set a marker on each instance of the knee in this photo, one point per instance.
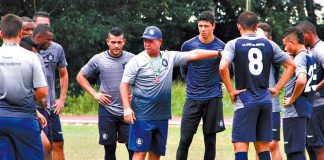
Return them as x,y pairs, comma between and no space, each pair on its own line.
58,145
274,145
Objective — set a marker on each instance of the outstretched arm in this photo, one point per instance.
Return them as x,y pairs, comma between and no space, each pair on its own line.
199,54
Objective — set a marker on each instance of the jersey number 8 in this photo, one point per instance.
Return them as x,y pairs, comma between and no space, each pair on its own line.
255,61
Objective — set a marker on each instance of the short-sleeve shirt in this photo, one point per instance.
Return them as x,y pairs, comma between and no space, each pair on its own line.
303,104
110,71
54,57
152,100
20,74
318,54
203,79
41,60
272,83
252,57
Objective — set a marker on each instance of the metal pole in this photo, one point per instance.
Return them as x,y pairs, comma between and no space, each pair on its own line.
248,5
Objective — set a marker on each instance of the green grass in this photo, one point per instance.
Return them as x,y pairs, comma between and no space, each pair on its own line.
81,142
86,105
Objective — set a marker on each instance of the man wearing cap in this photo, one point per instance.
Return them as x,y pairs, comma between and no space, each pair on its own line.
149,74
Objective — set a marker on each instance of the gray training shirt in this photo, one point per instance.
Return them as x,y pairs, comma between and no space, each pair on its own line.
110,71
20,73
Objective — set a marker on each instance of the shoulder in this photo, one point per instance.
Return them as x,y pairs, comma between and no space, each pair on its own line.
219,42
56,45
194,41
128,54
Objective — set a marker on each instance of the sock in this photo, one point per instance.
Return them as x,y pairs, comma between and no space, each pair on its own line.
110,152
241,156
210,146
264,155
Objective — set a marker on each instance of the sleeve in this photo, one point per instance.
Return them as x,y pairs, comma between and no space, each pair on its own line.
179,58
130,71
229,51
184,68
91,68
319,57
301,62
38,74
62,60
279,55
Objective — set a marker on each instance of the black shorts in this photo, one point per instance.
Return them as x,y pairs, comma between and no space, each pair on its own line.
294,134
211,112
276,125
112,128
48,129
57,132
315,128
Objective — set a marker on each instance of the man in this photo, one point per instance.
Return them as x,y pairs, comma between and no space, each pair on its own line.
276,122
204,91
315,127
43,37
252,56
30,44
109,67
297,101
150,76
54,57
28,26
22,83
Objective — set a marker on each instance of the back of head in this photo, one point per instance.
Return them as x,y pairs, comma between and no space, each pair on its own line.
248,20
41,29
307,26
10,26
28,43
265,27
207,16
295,33
116,31
41,14
26,19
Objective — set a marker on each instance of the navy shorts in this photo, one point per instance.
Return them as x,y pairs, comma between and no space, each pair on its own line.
211,112
55,122
48,128
148,135
276,125
294,130
112,128
24,135
315,128
252,124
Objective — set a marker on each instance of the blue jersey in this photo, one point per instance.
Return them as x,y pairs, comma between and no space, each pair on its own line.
302,107
318,54
252,57
203,79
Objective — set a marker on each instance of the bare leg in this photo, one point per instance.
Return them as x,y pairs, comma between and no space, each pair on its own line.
58,151
139,155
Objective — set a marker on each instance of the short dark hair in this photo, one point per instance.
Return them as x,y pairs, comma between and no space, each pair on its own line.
41,29
10,26
116,31
307,26
207,16
298,34
266,27
248,20
28,42
26,19
41,14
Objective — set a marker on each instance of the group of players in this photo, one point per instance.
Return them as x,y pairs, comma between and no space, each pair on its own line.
135,91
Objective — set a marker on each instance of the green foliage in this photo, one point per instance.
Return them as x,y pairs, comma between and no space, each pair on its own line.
81,105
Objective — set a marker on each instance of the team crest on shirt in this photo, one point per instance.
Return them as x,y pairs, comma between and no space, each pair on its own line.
104,136
164,63
50,57
139,141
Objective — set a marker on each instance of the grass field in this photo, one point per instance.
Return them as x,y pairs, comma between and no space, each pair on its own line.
81,143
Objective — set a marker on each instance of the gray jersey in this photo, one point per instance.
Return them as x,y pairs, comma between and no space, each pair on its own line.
272,83
41,60
54,57
110,71
152,98
20,73
301,62
318,53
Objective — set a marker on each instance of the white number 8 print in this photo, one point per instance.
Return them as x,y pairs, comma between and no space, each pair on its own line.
255,62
